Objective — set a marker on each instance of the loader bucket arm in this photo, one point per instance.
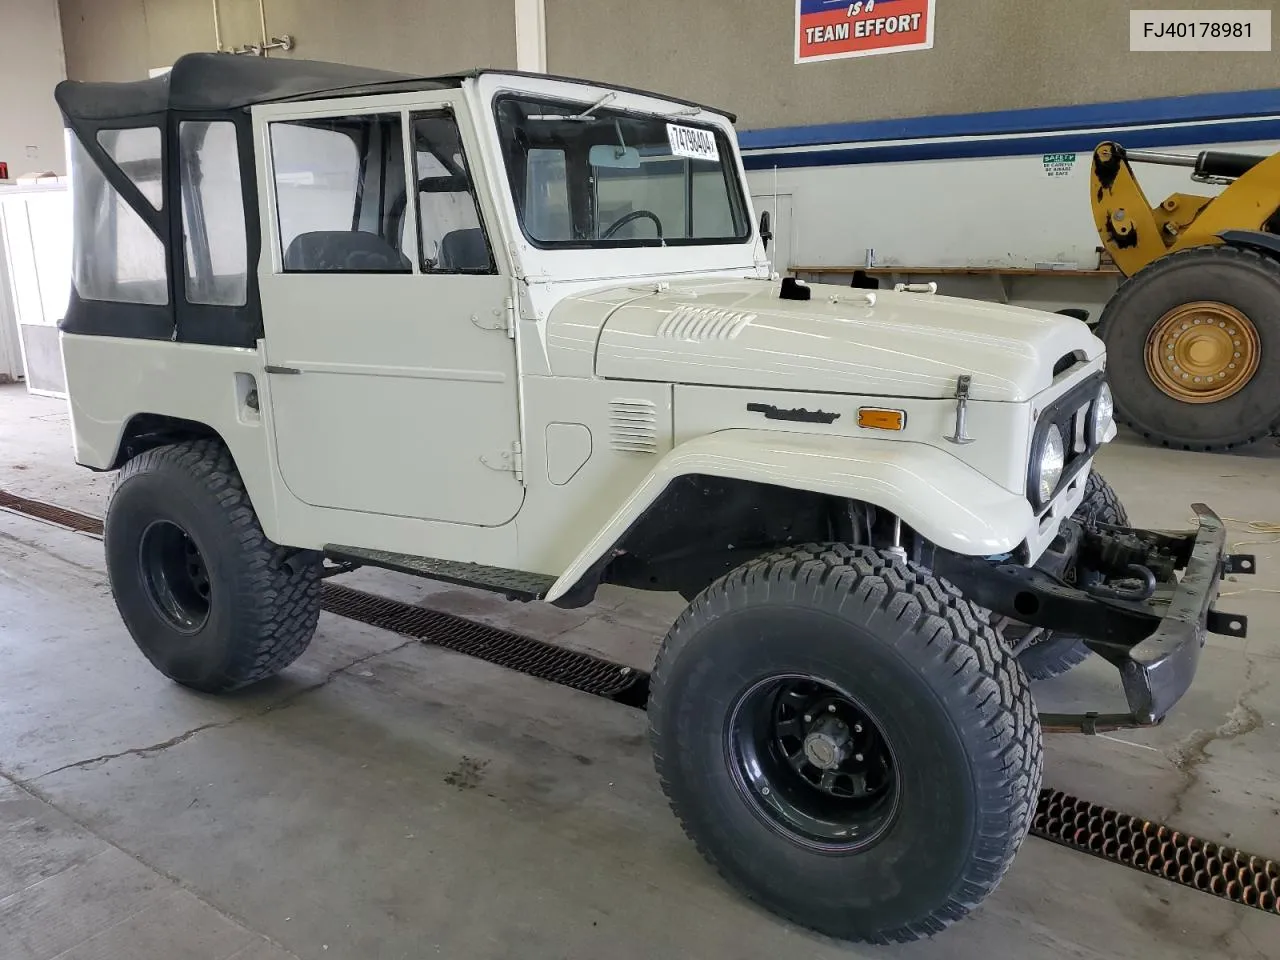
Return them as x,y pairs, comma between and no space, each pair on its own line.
1135,233
1132,231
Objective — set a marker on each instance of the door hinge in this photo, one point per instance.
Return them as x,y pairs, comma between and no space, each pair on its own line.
510,460
503,319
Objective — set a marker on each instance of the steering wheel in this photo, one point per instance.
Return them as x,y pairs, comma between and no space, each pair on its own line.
631,217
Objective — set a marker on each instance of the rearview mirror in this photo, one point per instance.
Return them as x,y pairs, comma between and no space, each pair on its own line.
766,228
619,158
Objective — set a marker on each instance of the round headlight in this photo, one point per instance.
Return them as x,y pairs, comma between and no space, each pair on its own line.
1053,457
1104,412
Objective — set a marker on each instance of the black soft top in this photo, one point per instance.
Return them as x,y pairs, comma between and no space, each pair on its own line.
211,87
224,81
212,82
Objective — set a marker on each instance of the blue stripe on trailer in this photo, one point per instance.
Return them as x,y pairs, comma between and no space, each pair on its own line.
1197,108
940,149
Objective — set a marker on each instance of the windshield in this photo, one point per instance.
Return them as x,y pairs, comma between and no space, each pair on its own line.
587,176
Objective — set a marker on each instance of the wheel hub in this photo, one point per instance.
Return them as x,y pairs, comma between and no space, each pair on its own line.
827,744
1203,352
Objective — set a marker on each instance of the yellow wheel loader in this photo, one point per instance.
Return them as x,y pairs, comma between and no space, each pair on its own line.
1193,333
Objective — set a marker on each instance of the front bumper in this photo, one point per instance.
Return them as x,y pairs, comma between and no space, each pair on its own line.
1118,589
1159,670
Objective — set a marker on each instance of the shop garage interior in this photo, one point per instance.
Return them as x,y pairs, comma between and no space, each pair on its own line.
804,455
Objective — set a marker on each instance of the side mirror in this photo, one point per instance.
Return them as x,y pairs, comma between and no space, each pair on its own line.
766,228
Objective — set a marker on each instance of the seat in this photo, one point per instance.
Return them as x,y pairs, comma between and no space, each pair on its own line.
464,250
343,251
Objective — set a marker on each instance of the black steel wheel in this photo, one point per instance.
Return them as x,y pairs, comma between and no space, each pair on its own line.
174,574
846,740
814,764
210,601
1045,654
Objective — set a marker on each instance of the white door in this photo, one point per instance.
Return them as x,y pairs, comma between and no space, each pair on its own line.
779,208
392,378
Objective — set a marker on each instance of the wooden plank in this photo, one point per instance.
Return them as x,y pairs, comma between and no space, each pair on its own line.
959,271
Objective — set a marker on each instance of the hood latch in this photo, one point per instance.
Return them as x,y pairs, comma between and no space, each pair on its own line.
962,403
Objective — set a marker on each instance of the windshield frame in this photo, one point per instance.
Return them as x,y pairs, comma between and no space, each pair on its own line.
740,208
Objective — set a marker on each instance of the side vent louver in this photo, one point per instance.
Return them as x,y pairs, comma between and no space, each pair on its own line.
704,323
633,426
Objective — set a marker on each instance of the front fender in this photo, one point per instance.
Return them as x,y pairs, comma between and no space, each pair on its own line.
943,499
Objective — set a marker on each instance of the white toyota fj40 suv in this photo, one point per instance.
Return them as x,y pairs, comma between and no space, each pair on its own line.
522,332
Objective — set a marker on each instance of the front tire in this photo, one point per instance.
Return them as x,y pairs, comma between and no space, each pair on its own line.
883,774
210,601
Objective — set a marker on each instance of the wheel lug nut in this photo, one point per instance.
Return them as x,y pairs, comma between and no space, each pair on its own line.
857,757
808,718
831,708
857,728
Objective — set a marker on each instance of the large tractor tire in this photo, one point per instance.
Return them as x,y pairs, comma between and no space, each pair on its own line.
846,740
1046,654
1193,347
210,601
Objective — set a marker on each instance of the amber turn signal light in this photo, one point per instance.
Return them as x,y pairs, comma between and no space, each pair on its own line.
875,418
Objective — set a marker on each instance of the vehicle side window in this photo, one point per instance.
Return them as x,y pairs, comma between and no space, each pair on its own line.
213,214
115,255
451,237
136,151
338,181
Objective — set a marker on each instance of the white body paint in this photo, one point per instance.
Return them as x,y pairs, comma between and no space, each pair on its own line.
420,424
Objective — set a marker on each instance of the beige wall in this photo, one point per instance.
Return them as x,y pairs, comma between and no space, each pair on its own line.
30,67
122,39
988,55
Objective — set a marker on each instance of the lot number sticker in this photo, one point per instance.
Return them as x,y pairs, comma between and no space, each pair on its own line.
692,143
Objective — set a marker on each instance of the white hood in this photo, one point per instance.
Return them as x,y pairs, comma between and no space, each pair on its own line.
739,333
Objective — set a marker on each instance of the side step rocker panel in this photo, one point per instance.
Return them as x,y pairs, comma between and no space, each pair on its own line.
516,584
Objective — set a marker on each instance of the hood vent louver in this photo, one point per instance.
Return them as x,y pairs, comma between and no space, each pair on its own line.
633,426
704,323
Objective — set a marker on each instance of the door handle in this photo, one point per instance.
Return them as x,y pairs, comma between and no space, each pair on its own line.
271,368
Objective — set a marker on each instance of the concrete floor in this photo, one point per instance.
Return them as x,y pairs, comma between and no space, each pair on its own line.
386,799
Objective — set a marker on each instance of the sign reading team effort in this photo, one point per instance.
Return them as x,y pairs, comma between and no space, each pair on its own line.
835,29
692,142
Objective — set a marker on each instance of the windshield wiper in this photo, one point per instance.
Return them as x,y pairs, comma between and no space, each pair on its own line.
584,115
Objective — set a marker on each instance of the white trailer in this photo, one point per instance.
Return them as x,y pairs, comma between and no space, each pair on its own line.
993,206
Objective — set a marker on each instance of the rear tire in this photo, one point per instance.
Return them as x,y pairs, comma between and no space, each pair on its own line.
902,660
208,599
1052,654
1243,280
